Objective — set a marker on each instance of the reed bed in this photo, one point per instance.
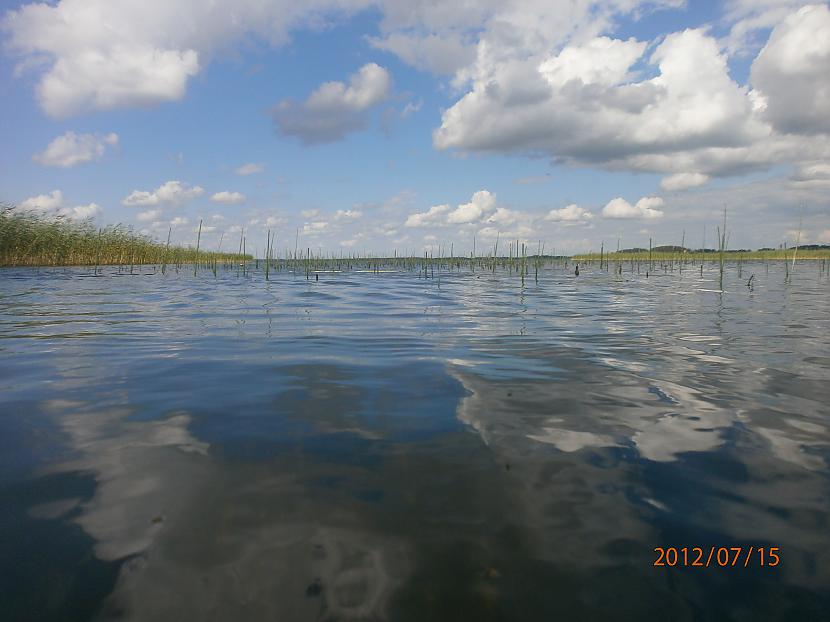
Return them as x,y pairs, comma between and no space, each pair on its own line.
29,239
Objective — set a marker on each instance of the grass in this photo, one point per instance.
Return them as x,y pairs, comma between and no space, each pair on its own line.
28,239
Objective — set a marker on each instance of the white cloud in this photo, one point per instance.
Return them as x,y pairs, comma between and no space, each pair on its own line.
504,217
54,203
169,193
310,213
249,169
569,213
148,215
70,149
481,204
315,228
488,232
599,61
230,198
431,217
750,18
81,212
43,202
99,54
792,72
387,229
179,221
582,105
349,214
334,109
683,181
645,208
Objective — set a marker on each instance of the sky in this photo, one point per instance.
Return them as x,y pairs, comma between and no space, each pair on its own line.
381,126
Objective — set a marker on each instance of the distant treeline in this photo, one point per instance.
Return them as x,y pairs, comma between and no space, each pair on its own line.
683,249
679,253
30,239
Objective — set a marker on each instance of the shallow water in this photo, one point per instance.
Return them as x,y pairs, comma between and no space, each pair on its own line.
380,446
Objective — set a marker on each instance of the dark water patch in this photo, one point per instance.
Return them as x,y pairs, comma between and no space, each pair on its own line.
49,571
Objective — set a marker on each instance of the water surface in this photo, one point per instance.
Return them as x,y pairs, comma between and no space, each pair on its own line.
381,446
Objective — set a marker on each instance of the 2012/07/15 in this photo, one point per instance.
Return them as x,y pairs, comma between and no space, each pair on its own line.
719,556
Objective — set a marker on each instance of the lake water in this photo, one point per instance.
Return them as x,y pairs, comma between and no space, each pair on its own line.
381,446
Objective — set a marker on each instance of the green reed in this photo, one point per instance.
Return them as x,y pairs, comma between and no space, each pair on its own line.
30,239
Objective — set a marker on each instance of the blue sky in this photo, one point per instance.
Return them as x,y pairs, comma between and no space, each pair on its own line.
381,126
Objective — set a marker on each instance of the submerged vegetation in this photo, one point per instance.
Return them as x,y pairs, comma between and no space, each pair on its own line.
29,239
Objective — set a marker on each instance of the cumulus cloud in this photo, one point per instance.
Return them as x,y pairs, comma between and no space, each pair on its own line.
504,216
70,149
683,181
169,193
582,105
43,202
229,198
334,109
539,77
646,208
569,213
669,107
99,54
792,72
481,203
751,18
81,212
251,168
53,203
432,216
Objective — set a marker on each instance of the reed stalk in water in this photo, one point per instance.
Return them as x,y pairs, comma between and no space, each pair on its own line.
722,248
198,240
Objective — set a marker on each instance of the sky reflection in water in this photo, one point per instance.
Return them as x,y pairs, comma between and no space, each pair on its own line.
379,447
